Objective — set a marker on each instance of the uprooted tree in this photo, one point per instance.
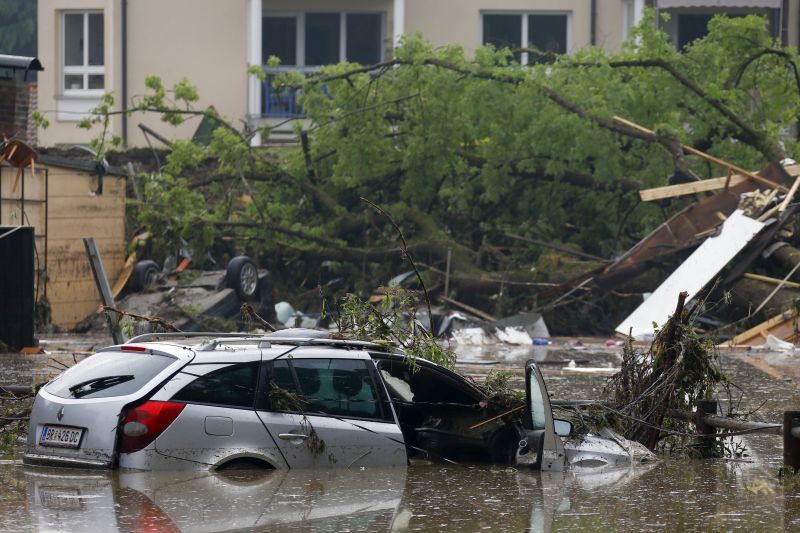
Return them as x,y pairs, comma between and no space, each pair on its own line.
465,150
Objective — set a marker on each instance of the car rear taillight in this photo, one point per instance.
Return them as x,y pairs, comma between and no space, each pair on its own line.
146,422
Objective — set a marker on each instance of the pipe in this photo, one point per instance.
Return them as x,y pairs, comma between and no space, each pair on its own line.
593,24
124,90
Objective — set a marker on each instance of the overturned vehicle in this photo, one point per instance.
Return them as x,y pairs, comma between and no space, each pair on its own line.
290,399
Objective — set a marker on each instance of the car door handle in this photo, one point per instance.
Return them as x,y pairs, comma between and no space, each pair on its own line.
292,436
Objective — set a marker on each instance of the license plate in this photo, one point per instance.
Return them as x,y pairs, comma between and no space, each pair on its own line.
56,498
62,436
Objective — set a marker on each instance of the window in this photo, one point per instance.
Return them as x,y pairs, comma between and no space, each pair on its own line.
108,374
83,52
339,387
315,39
233,386
547,32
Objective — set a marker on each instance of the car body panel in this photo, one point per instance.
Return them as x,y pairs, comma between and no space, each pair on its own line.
98,418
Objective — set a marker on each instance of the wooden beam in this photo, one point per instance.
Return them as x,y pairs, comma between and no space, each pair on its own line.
468,309
780,325
774,281
789,195
682,189
707,157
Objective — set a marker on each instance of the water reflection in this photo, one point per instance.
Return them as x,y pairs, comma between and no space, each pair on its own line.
421,498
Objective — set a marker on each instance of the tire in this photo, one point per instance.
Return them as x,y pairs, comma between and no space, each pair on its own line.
241,275
145,275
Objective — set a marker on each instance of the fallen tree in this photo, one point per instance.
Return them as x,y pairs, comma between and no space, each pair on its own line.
464,151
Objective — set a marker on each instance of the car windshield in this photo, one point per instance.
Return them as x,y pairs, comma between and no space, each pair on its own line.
109,374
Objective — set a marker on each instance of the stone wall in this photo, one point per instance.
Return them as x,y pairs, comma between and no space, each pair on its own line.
14,106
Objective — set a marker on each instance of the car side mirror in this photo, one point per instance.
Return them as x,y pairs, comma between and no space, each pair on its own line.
563,427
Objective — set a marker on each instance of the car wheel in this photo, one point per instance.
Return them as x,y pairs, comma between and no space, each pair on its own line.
144,276
242,276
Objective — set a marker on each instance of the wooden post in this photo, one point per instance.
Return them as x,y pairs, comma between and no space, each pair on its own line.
706,444
102,285
791,443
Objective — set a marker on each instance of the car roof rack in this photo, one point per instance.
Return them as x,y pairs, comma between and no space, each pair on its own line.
156,337
290,336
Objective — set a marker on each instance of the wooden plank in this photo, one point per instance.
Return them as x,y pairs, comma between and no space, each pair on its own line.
97,227
74,267
67,314
68,245
79,290
77,183
789,195
682,189
774,281
782,326
708,157
61,207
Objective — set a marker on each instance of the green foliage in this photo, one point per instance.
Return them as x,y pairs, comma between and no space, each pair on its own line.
392,322
466,148
18,27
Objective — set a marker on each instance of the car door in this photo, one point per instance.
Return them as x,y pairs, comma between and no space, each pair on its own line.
326,408
538,421
218,423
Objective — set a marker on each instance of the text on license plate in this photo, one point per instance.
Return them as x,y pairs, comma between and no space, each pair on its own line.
61,436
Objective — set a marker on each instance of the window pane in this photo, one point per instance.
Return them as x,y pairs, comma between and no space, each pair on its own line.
691,28
233,385
322,38
503,31
73,39
141,366
548,33
282,395
279,38
340,387
95,39
96,81
364,39
73,81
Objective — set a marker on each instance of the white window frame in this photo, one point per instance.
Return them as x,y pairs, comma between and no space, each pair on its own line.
84,70
300,38
523,15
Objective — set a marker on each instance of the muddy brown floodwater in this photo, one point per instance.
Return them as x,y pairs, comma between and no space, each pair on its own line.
672,495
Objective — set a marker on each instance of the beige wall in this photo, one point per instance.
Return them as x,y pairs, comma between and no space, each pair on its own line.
49,50
202,40
459,21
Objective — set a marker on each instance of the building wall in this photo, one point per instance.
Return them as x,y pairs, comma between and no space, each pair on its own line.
204,41
459,21
72,211
14,105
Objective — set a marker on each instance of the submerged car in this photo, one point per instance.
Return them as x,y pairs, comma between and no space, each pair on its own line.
290,399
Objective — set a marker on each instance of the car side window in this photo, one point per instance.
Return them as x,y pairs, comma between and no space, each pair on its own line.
233,385
338,387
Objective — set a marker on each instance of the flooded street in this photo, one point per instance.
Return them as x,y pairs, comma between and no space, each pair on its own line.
672,495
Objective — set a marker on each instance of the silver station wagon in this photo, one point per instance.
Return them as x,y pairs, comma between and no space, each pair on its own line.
290,399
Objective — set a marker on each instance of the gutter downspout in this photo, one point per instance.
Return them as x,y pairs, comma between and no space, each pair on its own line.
593,25
124,90
398,20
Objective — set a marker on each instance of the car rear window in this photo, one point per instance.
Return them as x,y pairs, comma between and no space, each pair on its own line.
107,374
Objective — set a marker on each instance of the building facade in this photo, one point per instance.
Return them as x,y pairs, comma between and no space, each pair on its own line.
90,47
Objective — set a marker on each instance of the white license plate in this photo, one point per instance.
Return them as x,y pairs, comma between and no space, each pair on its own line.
65,437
